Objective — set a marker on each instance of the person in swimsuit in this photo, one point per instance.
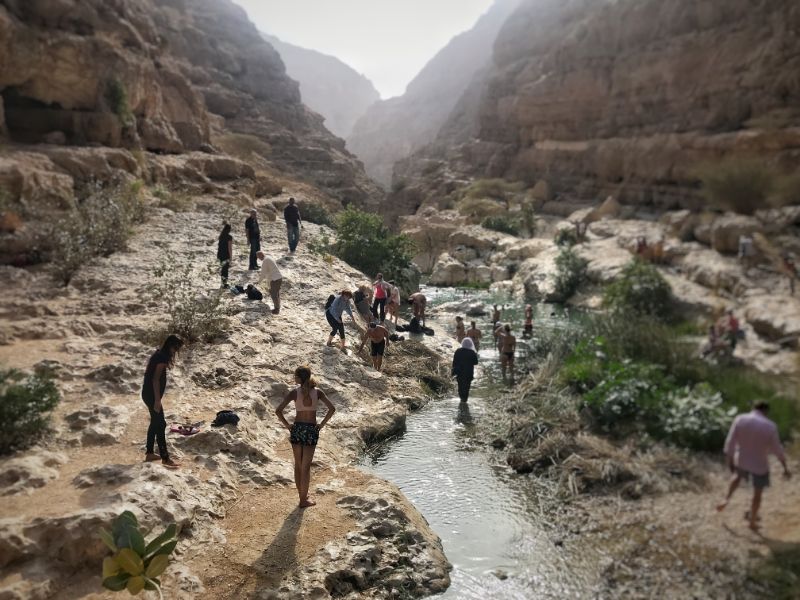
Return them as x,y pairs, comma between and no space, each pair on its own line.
419,302
378,337
475,335
495,316
304,432
155,383
461,332
508,345
498,336
380,297
361,299
528,320
393,307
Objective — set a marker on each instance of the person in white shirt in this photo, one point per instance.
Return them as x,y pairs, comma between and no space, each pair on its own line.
271,273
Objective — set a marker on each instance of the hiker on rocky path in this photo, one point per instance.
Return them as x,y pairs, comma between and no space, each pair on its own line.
418,302
790,270
225,252
751,439
271,273
528,321
334,314
153,388
464,361
378,337
495,317
508,346
253,237
461,332
361,299
304,432
380,297
475,335
393,306
291,214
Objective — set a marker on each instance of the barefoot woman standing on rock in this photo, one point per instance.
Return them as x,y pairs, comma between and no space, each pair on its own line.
304,432
155,383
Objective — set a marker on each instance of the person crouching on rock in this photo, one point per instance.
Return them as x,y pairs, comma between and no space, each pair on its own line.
155,383
335,314
304,432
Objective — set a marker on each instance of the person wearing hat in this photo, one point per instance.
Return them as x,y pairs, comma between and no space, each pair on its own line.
253,237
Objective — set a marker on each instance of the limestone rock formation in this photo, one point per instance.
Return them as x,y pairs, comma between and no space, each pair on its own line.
624,98
392,129
327,85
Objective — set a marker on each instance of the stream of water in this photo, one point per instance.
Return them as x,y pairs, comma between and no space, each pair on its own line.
488,518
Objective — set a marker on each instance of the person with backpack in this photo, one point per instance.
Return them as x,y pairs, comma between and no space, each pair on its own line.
225,252
379,298
291,214
270,272
335,308
304,432
153,388
253,237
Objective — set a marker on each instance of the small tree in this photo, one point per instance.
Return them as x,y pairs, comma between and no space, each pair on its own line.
640,290
25,405
570,273
738,184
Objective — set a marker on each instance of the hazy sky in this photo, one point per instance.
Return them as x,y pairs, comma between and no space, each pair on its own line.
389,41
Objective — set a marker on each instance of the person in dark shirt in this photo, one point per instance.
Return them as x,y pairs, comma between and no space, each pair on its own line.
291,214
464,361
155,383
225,252
253,238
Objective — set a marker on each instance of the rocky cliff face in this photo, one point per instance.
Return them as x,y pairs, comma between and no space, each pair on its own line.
394,128
625,97
327,85
164,78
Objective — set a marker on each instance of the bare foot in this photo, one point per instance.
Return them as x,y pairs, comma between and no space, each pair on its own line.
170,464
150,457
721,506
306,503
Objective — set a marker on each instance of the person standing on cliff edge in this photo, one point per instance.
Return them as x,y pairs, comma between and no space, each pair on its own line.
253,237
751,439
291,214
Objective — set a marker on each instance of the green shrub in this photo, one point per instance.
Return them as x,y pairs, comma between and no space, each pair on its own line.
174,200
566,237
316,213
478,209
135,565
640,290
570,273
192,315
740,185
503,224
696,417
496,189
117,97
787,191
529,217
25,404
363,241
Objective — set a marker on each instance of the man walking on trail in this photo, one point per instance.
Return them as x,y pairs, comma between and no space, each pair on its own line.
253,237
291,214
378,337
508,346
751,439
475,335
270,272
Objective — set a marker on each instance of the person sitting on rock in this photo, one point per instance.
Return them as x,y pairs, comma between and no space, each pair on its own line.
461,331
419,302
508,346
378,337
335,313
393,306
714,344
271,273
728,329
225,252
153,388
475,335
304,432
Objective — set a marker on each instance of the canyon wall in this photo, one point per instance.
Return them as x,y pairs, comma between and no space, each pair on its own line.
622,97
327,85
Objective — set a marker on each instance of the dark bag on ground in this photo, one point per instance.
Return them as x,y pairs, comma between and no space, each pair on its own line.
253,293
225,417
329,301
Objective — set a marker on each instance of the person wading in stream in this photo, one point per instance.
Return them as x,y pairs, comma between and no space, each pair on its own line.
475,335
464,361
270,272
461,332
751,439
528,321
335,314
225,253
508,346
304,432
155,383
378,337
495,316
253,237
379,298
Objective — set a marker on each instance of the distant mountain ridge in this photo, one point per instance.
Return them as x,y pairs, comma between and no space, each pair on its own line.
327,85
395,128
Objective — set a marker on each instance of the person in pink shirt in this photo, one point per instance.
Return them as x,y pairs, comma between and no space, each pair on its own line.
751,439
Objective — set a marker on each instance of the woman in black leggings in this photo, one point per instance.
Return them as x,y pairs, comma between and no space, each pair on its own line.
155,383
380,297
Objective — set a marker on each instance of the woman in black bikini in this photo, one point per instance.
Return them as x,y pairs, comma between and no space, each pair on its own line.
304,432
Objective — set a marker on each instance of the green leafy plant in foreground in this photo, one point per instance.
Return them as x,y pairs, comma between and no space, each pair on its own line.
135,564
25,405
